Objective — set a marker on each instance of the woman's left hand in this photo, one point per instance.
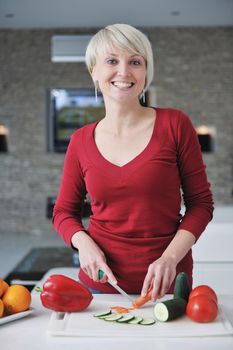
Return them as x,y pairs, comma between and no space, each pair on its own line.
159,277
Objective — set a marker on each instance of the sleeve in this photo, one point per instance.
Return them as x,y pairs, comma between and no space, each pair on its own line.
197,196
67,212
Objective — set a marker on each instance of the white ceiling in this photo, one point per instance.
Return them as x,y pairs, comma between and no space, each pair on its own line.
19,14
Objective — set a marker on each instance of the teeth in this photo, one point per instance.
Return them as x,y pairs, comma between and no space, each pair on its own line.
122,84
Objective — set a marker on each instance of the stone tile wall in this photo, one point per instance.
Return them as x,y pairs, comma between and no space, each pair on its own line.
193,72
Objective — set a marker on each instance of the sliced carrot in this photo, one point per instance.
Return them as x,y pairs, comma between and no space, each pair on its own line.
137,303
141,300
120,309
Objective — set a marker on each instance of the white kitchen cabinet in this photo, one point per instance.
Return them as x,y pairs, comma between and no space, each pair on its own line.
219,276
213,258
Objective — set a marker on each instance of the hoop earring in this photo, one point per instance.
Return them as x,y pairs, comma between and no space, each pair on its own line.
96,91
96,94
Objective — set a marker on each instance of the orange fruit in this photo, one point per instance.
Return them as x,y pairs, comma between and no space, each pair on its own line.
3,287
17,298
1,308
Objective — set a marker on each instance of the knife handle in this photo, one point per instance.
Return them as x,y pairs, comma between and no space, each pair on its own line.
100,274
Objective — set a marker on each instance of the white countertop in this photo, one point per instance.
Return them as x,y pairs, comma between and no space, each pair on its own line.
31,332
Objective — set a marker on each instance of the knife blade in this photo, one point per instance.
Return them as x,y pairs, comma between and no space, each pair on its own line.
119,289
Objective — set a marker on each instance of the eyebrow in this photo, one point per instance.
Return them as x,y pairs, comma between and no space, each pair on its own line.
115,55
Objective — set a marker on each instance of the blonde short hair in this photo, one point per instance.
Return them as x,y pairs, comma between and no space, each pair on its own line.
125,37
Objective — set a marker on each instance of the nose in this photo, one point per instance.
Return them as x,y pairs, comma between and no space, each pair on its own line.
123,69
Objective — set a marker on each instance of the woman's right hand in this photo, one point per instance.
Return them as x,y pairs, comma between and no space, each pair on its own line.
91,257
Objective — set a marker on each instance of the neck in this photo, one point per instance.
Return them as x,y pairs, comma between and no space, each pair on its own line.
122,115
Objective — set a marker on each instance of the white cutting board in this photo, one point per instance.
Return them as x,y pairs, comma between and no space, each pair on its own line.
84,324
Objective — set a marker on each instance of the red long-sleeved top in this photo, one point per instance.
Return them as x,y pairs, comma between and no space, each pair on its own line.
136,207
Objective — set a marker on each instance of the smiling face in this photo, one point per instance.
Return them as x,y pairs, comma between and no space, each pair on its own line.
120,75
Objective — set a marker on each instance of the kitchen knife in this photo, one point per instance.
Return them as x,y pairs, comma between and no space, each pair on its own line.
119,289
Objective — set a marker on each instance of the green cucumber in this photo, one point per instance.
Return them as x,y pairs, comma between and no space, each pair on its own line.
126,318
147,321
170,309
103,314
182,288
136,320
113,317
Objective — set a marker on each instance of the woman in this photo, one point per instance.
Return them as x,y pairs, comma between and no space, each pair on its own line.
132,163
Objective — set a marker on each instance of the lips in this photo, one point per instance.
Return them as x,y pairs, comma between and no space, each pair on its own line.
122,84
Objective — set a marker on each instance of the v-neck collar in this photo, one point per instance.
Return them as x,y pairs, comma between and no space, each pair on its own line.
107,166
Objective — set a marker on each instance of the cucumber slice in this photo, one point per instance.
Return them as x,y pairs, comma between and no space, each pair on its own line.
113,317
147,321
136,320
103,313
181,288
103,317
126,318
170,309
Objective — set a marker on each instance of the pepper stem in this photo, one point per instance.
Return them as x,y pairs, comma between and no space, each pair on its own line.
38,289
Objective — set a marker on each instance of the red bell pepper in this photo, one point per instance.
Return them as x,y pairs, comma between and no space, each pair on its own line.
63,294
